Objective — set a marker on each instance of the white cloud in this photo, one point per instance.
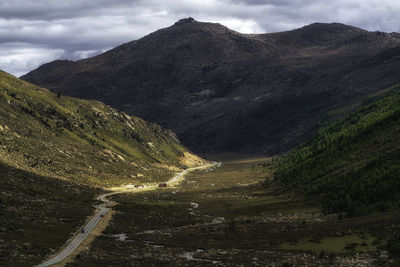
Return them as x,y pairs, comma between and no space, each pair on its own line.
19,58
239,25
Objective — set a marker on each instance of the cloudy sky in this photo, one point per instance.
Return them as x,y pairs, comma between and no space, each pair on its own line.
33,32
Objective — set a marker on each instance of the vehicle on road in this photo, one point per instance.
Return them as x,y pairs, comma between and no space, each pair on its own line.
162,185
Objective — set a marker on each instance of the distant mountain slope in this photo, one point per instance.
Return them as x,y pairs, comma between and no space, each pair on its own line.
223,91
83,141
353,164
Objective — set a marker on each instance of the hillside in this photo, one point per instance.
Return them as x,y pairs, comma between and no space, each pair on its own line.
82,141
223,91
353,165
38,214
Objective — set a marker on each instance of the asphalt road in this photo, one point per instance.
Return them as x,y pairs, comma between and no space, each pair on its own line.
102,210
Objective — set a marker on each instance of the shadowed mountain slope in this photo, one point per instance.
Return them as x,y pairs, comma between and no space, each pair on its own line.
223,91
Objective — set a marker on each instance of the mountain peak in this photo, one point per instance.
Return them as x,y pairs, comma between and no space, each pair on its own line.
185,21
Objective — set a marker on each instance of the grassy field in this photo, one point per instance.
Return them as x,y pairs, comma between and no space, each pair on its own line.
226,217
359,242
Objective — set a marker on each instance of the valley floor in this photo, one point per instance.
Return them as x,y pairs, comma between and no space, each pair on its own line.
231,216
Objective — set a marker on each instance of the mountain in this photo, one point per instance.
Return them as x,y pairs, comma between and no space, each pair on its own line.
86,142
223,91
353,164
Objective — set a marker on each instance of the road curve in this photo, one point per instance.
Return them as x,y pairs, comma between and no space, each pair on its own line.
103,209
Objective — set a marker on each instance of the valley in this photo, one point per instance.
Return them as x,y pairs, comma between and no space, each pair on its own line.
103,215
250,210
241,211
57,154
231,216
277,149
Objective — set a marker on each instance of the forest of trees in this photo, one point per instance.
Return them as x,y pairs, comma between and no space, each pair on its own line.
353,164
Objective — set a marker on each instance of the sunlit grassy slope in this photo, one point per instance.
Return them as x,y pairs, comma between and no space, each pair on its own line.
83,141
353,164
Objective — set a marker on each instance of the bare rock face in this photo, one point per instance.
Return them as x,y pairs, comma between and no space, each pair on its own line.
223,91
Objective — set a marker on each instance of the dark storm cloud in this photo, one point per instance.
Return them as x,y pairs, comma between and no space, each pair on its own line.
50,9
275,15
286,3
36,31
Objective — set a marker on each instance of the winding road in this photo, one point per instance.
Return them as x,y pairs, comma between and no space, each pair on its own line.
103,209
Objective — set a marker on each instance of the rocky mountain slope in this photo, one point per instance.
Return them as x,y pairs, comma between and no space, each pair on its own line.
82,141
223,91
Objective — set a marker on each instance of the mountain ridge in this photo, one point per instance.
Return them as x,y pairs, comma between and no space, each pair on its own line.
215,87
